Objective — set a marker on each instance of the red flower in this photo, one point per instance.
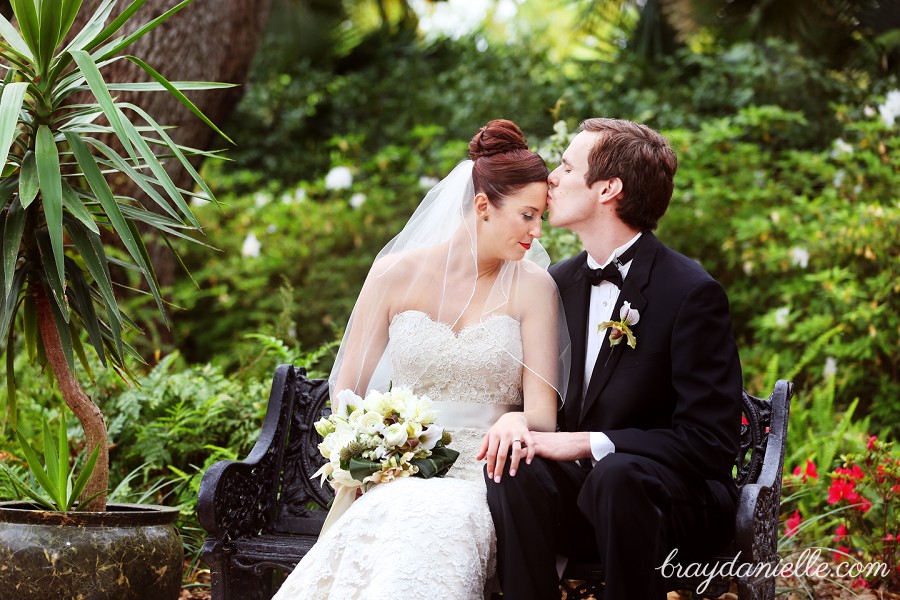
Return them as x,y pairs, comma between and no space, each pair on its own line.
744,420
811,470
841,490
871,444
840,533
841,553
853,474
864,505
889,538
792,523
860,583
806,473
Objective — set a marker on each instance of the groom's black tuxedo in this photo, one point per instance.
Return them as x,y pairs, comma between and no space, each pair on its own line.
670,407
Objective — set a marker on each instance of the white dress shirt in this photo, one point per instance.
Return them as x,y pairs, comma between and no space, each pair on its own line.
603,301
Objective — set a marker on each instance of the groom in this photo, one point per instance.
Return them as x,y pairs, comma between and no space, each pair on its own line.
654,429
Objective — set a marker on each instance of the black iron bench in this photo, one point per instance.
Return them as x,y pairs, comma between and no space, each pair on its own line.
264,513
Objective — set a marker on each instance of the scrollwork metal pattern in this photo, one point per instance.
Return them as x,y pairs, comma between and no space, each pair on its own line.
301,456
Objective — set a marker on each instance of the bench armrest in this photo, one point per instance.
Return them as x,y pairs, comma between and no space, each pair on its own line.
756,528
239,498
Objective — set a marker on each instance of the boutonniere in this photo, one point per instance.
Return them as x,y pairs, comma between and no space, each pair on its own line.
621,329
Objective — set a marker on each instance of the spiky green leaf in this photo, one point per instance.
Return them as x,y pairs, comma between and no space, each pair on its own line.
175,92
10,105
98,87
118,45
13,226
28,180
76,208
14,39
50,180
26,14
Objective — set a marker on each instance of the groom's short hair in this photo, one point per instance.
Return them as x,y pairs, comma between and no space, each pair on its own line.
642,159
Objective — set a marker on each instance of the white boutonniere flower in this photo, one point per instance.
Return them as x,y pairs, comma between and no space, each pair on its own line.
628,317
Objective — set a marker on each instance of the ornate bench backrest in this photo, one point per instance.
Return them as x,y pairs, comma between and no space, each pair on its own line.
302,500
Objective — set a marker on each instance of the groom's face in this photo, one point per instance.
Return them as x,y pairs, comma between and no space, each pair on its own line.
570,199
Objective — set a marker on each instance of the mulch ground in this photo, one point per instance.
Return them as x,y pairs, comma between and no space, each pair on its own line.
822,590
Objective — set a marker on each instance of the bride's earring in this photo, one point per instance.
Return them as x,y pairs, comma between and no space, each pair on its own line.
485,217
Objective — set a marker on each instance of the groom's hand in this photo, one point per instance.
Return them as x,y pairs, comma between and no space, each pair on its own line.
562,445
508,437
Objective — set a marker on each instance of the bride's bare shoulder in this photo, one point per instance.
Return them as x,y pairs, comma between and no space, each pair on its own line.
398,267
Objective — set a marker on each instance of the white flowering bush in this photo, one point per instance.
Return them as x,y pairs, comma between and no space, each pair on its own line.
383,437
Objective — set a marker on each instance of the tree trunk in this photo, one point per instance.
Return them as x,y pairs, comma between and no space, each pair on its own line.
88,413
210,40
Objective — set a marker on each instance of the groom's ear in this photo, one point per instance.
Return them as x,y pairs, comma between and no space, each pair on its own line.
608,189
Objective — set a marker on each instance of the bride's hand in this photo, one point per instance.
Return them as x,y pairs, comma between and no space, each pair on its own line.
508,437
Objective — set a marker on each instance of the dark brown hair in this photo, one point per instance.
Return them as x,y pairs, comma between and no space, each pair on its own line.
642,159
503,162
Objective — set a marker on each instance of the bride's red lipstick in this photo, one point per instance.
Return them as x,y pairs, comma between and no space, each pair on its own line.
526,246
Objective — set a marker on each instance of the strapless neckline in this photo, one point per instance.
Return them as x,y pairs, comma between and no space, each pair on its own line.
447,327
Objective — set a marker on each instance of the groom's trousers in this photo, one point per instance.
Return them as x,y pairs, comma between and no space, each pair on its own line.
628,512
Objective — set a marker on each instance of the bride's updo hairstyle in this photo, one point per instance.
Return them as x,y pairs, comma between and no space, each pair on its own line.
503,164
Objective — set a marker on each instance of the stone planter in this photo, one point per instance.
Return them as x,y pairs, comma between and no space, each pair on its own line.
131,551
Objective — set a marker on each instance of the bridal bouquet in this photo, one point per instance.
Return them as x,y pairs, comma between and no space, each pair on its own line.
381,438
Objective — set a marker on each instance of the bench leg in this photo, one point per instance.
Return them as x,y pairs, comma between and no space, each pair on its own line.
760,589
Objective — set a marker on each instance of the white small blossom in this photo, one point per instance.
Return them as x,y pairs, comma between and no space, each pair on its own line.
775,216
781,316
799,257
840,147
201,199
260,199
481,44
838,178
338,178
747,267
561,128
890,110
251,246
300,195
869,111
426,182
272,228
357,199
830,369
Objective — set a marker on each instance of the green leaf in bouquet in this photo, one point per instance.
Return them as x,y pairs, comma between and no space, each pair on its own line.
437,464
360,468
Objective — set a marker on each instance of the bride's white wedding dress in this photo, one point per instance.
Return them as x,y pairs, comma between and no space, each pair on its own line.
426,538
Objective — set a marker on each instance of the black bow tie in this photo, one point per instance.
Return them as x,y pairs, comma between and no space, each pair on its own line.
611,271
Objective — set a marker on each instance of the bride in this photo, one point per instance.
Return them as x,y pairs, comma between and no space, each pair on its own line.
458,307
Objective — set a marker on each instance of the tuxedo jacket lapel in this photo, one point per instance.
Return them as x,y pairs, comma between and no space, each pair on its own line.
632,291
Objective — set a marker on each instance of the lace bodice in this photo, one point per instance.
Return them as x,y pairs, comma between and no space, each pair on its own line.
472,376
482,363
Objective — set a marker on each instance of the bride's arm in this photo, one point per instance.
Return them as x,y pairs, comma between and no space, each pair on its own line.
511,435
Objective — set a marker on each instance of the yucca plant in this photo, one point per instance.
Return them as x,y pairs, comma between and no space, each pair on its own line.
57,202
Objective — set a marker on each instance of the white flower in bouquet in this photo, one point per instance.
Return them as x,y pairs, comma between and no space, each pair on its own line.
381,438
347,402
395,435
430,437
